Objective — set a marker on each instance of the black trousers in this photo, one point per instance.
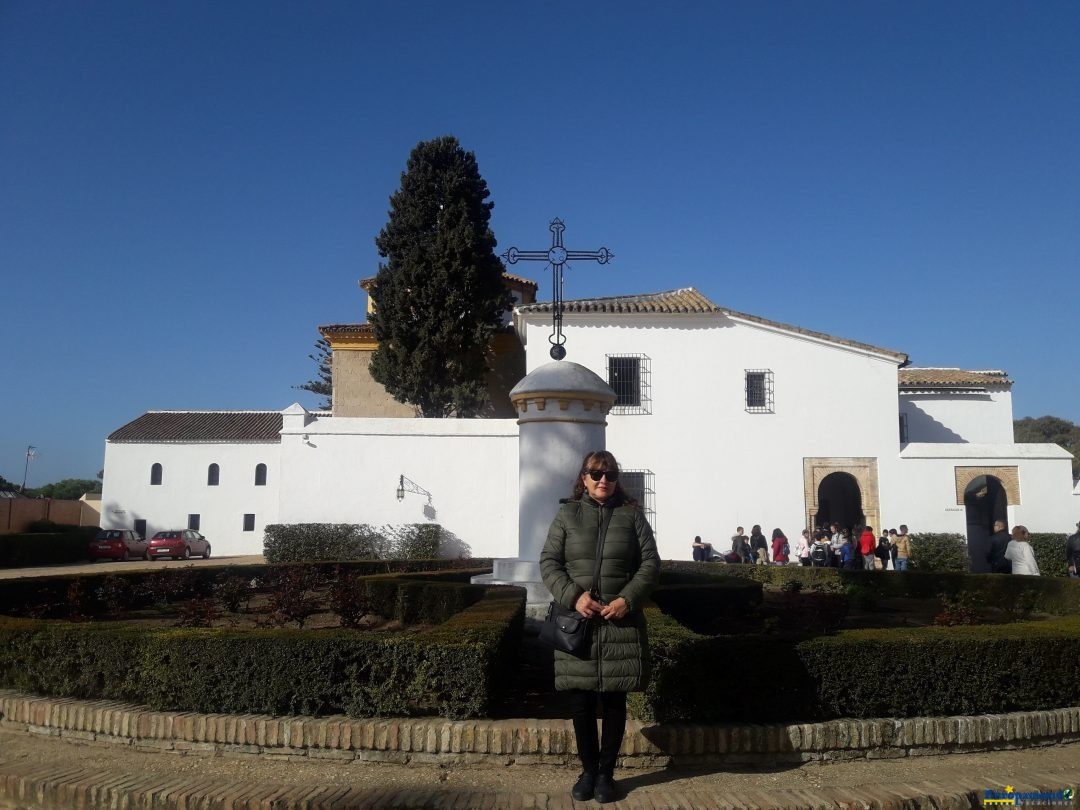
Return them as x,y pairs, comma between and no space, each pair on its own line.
598,755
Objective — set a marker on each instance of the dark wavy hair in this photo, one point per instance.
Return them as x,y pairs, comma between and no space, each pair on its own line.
600,460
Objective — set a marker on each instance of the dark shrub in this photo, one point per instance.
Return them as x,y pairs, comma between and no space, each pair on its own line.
456,670
310,542
1049,553
860,673
939,552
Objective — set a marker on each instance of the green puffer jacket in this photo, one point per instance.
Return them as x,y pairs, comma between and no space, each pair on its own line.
630,568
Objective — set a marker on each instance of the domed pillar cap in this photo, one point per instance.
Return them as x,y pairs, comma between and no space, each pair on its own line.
563,382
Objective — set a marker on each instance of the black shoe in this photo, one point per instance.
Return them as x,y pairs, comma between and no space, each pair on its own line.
583,788
605,790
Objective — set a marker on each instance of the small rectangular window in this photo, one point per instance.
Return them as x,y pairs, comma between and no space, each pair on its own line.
903,429
759,391
193,522
249,523
630,377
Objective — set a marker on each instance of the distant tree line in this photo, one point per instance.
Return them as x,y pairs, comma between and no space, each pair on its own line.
70,489
1050,430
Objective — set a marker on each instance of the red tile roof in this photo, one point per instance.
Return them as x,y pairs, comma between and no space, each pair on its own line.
952,378
202,426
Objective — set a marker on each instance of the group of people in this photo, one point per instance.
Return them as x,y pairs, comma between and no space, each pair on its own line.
837,548
1009,552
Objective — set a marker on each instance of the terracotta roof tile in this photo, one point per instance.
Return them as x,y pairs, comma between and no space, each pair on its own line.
952,378
202,426
686,300
347,328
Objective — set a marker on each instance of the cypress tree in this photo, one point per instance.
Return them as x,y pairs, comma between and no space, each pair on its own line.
439,297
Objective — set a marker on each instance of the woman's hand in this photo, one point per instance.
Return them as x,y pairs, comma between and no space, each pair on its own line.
616,610
587,606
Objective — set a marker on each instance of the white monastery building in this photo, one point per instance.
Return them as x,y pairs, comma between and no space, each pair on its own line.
721,419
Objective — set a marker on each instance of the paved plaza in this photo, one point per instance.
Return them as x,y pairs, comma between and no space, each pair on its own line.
37,772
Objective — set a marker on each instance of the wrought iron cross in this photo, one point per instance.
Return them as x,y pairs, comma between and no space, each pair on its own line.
557,256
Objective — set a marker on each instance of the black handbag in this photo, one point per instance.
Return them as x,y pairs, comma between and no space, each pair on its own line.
564,628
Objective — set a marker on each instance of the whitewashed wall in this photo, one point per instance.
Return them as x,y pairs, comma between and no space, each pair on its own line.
926,499
976,418
127,494
717,466
347,469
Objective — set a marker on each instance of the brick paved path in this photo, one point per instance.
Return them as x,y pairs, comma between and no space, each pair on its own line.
46,772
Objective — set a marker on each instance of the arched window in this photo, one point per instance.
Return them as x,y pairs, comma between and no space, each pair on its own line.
213,473
260,475
155,475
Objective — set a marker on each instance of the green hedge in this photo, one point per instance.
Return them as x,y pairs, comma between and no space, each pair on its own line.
454,670
58,547
89,595
859,673
939,552
1049,551
1042,594
309,542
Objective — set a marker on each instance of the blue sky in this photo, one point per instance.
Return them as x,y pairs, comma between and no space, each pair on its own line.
191,188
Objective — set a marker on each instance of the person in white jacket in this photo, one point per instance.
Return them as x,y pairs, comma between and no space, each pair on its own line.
1020,554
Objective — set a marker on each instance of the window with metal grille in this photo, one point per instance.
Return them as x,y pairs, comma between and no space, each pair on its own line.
759,391
903,429
193,522
249,523
630,377
641,486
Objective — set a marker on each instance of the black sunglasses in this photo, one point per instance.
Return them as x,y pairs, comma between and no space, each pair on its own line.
610,475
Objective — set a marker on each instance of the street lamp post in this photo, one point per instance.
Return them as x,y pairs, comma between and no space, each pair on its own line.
31,452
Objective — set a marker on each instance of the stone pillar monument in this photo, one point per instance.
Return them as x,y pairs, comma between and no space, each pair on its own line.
562,415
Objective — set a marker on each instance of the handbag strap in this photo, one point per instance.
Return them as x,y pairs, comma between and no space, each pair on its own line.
605,517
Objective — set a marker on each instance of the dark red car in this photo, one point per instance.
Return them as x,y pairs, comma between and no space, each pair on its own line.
117,544
180,544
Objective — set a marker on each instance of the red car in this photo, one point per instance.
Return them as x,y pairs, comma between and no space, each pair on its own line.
180,544
117,544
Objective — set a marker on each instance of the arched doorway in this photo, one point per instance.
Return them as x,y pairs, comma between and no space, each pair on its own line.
839,501
985,501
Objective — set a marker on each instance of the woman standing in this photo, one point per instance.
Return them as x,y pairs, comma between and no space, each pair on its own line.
1019,553
601,514
802,548
759,546
780,547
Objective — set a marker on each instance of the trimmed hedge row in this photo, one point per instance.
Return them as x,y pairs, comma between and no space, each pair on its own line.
454,670
939,552
859,673
1049,551
1059,596
18,596
52,548
308,542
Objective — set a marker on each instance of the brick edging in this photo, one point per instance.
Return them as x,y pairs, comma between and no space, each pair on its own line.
525,741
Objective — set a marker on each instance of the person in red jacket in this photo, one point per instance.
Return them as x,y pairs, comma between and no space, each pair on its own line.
780,548
867,546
